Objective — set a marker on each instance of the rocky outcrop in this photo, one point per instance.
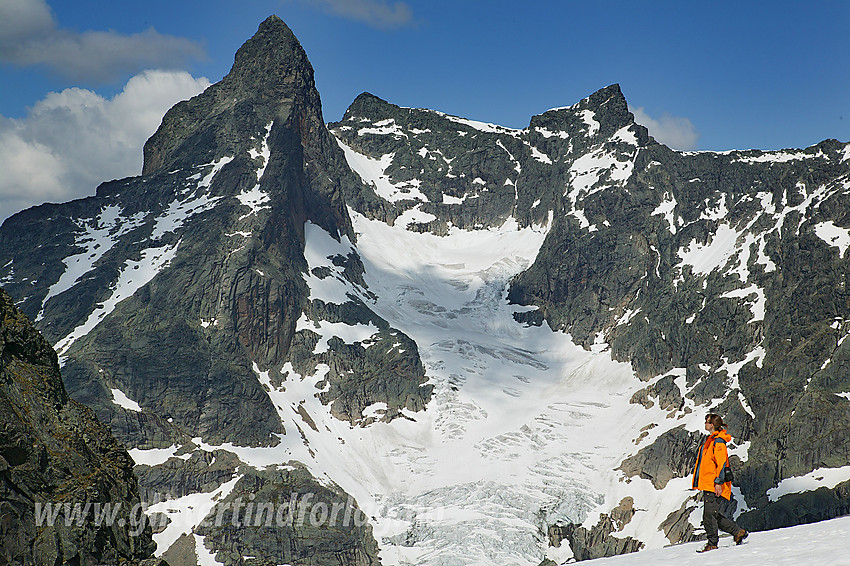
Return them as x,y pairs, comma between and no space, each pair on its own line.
195,472
285,517
472,175
56,456
443,166
670,456
384,369
677,526
799,508
600,540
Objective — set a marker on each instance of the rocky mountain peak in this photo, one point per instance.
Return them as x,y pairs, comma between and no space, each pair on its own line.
599,116
270,66
610,106
368,105
611,96
271,80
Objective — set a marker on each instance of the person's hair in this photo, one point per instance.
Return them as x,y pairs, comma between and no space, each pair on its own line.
716,421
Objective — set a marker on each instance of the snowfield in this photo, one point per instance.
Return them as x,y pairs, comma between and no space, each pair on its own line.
817,544
524,428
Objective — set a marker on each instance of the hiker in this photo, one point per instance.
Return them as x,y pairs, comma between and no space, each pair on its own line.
712,476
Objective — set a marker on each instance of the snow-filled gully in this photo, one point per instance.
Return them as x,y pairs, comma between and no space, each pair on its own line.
524,428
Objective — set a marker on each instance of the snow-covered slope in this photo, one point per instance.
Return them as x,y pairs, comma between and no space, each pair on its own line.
504,440
817,544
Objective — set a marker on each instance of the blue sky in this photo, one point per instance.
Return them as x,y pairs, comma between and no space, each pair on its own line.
708,75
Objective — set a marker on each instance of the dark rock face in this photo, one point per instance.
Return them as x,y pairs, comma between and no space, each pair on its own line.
601,540
473,167
286,517
54,452
677,527
385,369
472,175
201,472
268,164
670,456
800,508
255,147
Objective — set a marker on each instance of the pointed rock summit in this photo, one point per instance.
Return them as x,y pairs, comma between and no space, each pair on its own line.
271,80
270,64
231,179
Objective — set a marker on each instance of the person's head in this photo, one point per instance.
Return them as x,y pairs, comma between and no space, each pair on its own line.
713,423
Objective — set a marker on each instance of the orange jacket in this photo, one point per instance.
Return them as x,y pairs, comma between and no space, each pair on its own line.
713,463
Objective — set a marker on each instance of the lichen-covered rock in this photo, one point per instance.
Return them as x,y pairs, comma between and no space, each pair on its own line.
55,455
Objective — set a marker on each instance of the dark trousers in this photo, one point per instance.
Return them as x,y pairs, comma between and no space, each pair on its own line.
713,517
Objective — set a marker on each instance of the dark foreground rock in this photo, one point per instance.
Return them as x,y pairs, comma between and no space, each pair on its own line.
54,452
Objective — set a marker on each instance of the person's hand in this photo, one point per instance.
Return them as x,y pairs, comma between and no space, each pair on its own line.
718,489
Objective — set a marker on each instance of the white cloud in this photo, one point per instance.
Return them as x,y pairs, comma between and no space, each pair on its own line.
377,13
71,141
20,19
30,35
672,131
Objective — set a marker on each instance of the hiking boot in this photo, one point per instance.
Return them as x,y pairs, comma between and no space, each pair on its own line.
740,536
707,547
